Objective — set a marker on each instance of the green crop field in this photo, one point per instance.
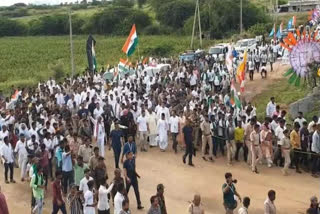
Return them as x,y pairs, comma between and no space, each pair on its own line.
26,60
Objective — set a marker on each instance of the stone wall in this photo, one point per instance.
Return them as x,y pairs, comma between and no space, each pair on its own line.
306,104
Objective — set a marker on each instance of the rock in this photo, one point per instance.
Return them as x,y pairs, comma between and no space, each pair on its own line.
304,105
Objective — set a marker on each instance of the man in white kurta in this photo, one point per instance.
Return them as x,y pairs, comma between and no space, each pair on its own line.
99,133
152,122
163,132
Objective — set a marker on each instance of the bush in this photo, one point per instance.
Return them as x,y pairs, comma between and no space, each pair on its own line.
58,70
10,27
19,12
157,30
175,13
117,21
160,50
260,29
50,25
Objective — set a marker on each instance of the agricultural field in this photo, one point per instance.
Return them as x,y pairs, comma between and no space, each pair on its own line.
27,60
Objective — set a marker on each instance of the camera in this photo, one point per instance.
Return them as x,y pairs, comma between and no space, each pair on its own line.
235,181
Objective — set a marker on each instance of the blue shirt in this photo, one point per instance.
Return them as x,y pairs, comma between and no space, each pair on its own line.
116,139
130,166
66,162
129,147
58,155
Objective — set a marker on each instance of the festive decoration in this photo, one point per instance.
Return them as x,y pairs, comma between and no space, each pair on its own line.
314,16
303,51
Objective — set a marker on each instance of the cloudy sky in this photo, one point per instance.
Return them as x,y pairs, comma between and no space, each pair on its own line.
11,2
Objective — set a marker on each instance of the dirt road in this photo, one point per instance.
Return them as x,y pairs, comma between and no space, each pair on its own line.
182,182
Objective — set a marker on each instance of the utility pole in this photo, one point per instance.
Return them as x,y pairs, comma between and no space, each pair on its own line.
71,45
196,16
240,16
199,25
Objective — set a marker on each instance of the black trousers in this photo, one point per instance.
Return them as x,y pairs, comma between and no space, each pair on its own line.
245,151
251,72
220,144
104,211
7,167
189,152
174,141
116,154
67,180
134,184
56,209
296,158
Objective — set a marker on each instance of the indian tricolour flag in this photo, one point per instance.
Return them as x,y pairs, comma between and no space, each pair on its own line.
235,101
131,43
123,65
94,57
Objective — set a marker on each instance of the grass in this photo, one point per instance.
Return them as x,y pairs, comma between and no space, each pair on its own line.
284,94
26,60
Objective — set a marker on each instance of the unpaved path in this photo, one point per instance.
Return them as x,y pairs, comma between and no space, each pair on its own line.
206,178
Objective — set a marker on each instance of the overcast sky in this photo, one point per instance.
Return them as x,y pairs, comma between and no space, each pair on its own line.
52,2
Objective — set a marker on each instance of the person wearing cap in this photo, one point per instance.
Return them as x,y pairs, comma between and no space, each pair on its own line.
161,200
314,206
21,150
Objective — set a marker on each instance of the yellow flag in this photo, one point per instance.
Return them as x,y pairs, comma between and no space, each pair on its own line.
318,72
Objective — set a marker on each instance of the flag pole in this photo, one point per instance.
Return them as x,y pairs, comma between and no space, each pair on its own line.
71,45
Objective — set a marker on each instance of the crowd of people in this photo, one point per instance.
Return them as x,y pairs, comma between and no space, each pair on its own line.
61,132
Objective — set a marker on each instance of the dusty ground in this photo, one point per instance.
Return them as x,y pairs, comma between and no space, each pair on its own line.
206,178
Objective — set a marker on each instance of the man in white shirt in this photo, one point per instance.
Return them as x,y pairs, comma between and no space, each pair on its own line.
21,150
103,203
3,133
8,159
143,129
244,208
119,198
279,134
174,129
271,107
300,119
269,206
98,111
84,181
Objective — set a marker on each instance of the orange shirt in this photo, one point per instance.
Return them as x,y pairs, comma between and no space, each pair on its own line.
295,140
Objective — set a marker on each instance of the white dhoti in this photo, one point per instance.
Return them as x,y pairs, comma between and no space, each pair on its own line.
23,166
163,140
100,144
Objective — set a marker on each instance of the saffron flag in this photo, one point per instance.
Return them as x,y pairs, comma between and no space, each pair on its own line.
235,101
241,71
131,43
273,31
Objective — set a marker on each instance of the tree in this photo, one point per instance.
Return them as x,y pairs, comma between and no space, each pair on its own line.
141,3
175,13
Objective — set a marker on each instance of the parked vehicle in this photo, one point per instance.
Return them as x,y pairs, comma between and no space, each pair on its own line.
245,44
219,51
190,56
